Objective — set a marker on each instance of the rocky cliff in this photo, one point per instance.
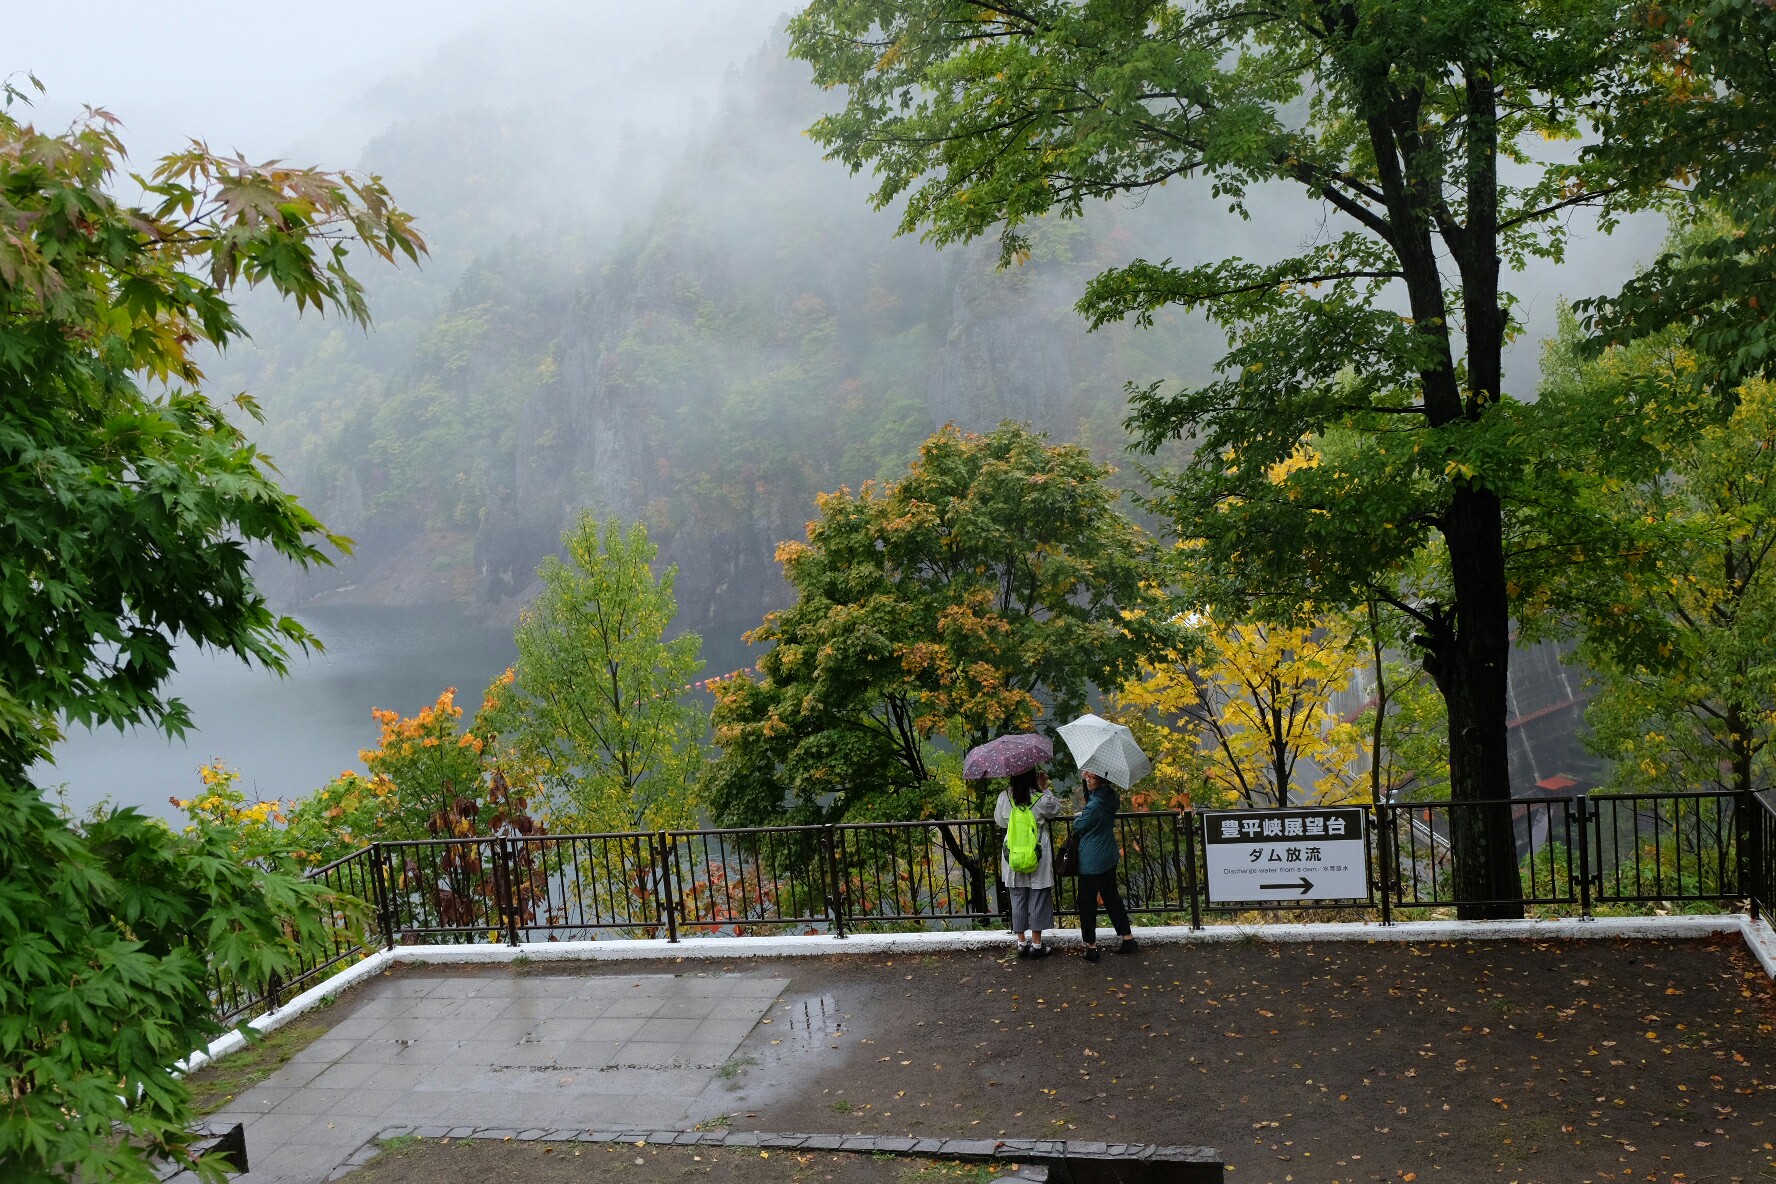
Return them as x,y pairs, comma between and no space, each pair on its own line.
762,336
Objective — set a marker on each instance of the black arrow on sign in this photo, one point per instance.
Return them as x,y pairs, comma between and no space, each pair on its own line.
1305,884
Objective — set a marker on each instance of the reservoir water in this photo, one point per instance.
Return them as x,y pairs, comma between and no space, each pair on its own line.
290,736
287,736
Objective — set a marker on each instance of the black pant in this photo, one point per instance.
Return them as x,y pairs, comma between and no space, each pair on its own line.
1091,887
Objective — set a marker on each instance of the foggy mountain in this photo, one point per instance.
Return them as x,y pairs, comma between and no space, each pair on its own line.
649,295
755,336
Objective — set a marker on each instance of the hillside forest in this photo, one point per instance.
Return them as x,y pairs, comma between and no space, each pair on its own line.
754,337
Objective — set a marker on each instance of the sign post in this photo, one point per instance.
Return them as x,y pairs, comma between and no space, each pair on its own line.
1286,856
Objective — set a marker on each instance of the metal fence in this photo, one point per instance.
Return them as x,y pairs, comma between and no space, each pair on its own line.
352,929
1575,855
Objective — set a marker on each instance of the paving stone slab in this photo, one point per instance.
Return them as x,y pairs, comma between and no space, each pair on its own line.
738,1009
340,1077
653,1054
581,1009
609,1027
592,1058
979,1148
671,1029
781,1142
627,1007
324,1050
683,1006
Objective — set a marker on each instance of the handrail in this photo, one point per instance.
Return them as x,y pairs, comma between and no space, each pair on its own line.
1577,853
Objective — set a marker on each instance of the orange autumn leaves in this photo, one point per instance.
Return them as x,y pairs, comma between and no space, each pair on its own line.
423,768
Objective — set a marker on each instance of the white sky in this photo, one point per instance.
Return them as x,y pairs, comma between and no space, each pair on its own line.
273,80
250,75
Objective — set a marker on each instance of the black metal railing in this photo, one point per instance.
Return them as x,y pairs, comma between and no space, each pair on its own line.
352,928
573,887
1666,847
1575,854
1417,863
888,874
1760,854
748,880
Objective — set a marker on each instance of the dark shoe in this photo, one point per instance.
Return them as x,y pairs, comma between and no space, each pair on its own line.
1038,951
1023,949
1092,954
1128,945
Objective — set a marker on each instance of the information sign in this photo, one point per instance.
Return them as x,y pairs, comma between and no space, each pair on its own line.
1316,853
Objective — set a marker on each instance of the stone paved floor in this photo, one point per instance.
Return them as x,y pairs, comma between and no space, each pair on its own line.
608,1051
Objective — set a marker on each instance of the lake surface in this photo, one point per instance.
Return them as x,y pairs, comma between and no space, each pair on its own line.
288,736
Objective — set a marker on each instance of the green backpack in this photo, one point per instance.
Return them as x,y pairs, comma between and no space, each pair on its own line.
1023,850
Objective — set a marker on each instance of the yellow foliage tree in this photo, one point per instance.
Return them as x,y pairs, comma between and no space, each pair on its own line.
253,823
1248,714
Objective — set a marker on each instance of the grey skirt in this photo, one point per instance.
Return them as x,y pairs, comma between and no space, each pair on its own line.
1032,908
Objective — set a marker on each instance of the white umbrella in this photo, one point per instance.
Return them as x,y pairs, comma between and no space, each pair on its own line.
1107,749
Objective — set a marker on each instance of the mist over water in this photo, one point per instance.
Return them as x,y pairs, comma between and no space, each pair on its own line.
287,736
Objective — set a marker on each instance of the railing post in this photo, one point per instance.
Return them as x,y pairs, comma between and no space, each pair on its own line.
385,915
1384,855
663,881
1190,884
1583,803
509,906
1760,856
835,896
1745,824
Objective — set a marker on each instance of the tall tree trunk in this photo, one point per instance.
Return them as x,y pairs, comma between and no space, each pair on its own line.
1279,745
1471,663
1469,645
1376,790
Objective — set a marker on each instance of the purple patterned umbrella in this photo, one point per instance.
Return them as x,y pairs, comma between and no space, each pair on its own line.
1003,756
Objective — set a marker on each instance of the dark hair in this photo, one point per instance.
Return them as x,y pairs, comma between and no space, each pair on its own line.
1022,786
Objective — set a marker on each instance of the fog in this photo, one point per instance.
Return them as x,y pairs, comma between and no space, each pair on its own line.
276,81
600,102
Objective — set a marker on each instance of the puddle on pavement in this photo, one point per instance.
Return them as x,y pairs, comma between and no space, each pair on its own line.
806,1022
805,1034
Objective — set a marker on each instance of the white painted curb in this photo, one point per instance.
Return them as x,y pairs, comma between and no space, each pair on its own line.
1758,937
1762,941
307,1001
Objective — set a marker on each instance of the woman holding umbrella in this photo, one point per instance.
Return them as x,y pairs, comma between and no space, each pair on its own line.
1018,812
1096,828
1108,757
1026,859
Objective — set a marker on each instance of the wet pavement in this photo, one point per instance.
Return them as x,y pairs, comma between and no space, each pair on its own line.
1307,1062
478,1050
